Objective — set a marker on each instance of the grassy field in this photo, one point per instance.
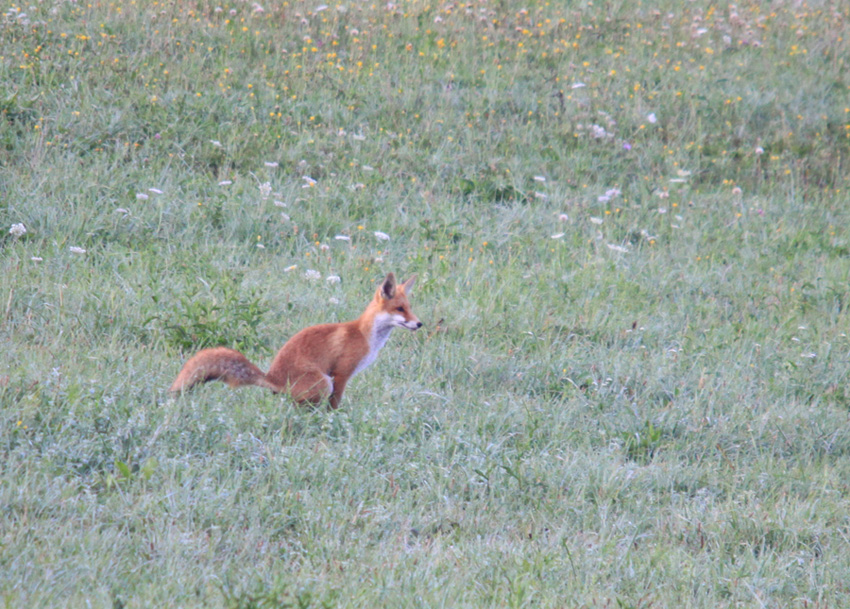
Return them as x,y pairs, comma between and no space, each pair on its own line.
631,227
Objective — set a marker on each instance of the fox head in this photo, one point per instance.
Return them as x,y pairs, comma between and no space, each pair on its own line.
393,301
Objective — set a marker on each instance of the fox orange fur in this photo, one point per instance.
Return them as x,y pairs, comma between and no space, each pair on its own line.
317,363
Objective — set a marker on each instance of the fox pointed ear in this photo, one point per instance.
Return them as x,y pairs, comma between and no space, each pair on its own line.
408,285
388,286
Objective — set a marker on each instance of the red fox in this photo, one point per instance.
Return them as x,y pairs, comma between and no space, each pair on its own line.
317,362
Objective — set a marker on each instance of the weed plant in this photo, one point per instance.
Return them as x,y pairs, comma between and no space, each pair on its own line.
630,226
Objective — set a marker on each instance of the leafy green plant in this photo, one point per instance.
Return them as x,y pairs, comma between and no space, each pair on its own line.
643,444
278,595
218,316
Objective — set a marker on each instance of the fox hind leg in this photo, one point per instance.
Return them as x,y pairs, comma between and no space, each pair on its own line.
312,386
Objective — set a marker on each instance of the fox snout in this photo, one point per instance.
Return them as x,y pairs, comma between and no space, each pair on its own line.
411,324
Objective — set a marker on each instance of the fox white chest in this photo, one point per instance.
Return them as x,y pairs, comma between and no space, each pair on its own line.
380,334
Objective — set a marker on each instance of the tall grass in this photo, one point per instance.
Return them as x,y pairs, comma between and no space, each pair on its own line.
629,224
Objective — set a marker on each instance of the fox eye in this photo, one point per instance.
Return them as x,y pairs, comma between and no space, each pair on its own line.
400,309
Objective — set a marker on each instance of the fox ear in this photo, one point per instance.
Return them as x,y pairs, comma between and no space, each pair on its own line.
388,287
408,285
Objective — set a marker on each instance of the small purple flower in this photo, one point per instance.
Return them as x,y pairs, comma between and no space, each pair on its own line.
627,146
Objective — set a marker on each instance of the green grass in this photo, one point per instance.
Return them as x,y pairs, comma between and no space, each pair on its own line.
630,227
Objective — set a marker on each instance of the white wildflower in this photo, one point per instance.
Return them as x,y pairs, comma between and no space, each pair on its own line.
617,248
155,191
333,279
36,258
595,220
342,237
541,195
121,210
225,183
598,132
563,217
309,182
578,85
311,274
558,236
737,191
261,246
334,301
279,203
284,217
265,190
368,168
652,118
18,230
320,8
271,163
539,179
611,193
77,250
382,236
141,196
759,150
216,143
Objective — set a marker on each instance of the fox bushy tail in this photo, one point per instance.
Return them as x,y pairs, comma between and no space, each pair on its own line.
220,363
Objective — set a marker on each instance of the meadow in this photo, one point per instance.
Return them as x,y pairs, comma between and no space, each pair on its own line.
629,222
